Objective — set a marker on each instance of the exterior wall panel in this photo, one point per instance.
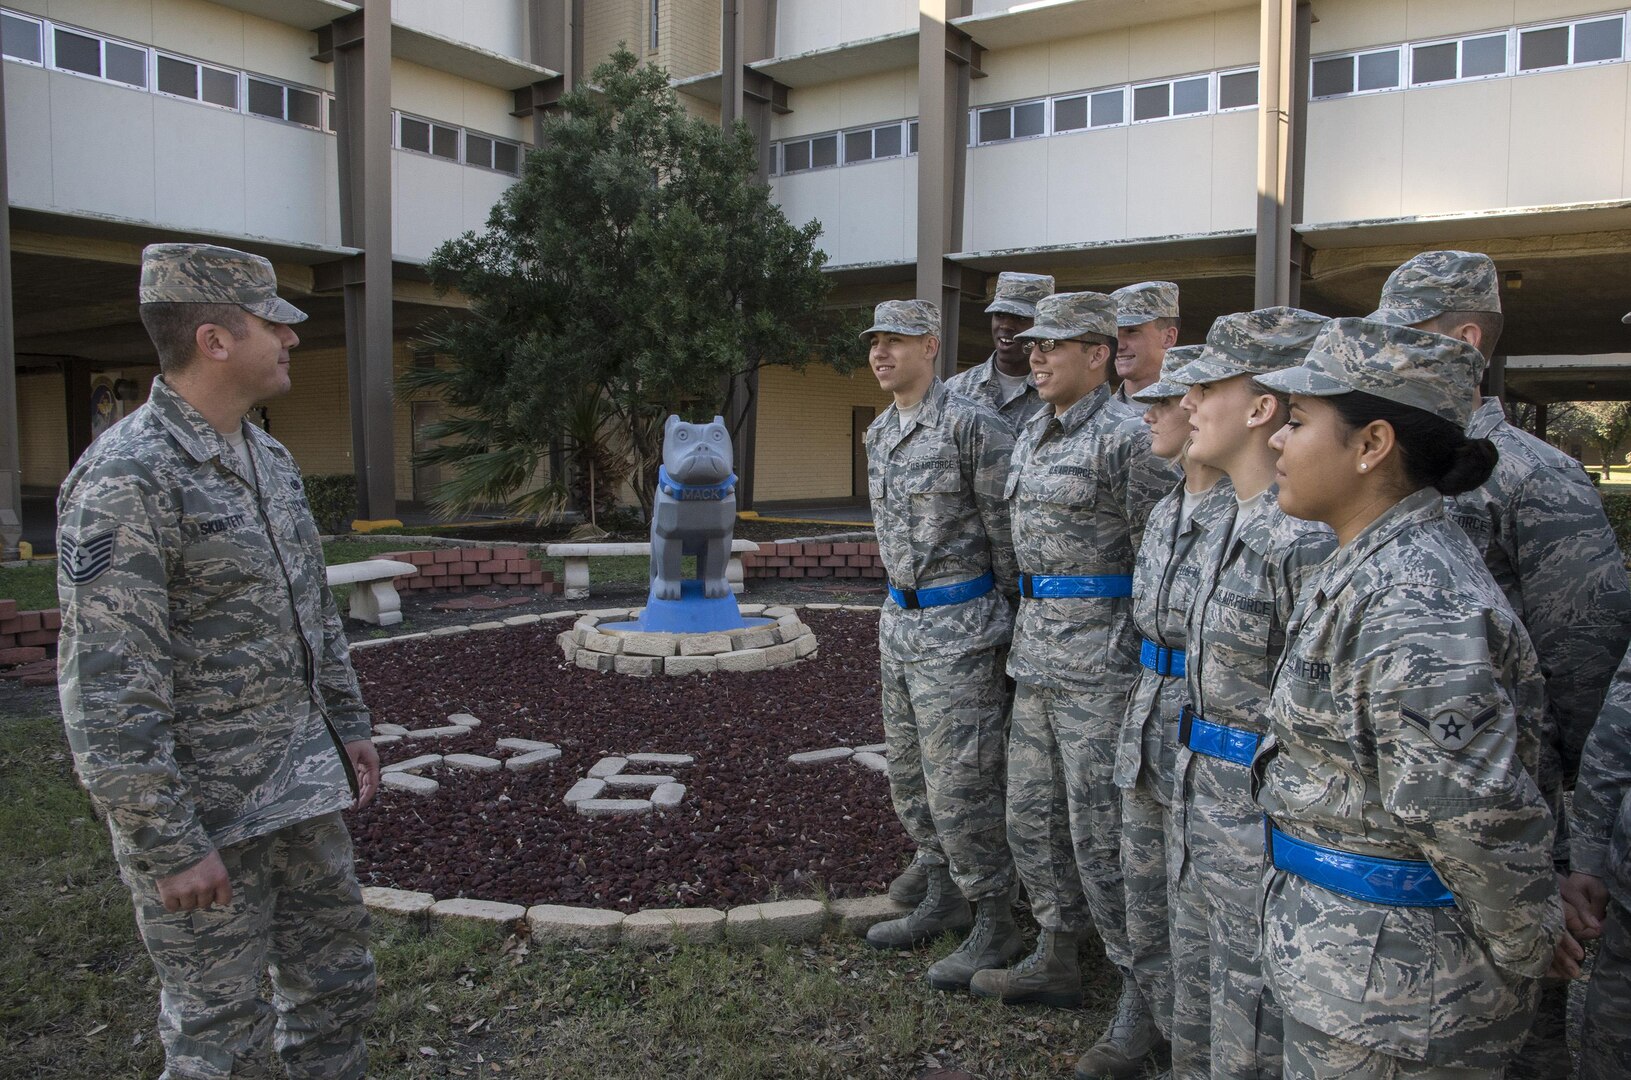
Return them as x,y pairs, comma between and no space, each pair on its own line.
1356,151
1469,129
42,429
804,431
210,199
93,124
29,166
805,25
1570,137
498,26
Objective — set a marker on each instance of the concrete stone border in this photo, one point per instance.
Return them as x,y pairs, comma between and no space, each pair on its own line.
749,924
783,641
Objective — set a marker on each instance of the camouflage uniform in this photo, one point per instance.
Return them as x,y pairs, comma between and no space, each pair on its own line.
1016,294
1081,487
1541,528
937,502
1398,732
1135,306
1601,846
1222,1009
207,693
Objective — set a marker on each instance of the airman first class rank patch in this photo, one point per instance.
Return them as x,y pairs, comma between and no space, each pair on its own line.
84,562
1450,729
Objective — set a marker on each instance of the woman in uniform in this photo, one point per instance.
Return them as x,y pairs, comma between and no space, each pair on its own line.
1412,902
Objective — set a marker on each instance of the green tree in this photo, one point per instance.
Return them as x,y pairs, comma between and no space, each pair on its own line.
1605,426
637,260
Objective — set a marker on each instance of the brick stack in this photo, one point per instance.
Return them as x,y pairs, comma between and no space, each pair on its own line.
456,569
28,644
811,559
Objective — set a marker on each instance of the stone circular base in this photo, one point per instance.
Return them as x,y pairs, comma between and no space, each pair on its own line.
780,641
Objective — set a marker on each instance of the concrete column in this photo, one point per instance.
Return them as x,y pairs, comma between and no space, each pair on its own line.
557,44
945,58
1281,133
11,464
362,54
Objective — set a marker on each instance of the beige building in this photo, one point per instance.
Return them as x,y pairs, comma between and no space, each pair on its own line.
1252,152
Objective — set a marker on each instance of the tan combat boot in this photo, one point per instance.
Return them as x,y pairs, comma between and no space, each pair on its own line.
1049,976
941,909
908,888
1130,1039
993,943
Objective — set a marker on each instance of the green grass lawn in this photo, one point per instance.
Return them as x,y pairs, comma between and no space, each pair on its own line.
78,996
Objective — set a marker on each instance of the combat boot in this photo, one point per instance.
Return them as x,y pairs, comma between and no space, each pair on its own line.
942,908
912,883
1130,1039
993,943
1051,975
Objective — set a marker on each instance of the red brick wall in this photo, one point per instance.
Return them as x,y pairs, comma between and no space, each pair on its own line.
455,569
789,559
28,642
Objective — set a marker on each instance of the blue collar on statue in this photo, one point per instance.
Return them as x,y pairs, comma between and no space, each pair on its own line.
695,492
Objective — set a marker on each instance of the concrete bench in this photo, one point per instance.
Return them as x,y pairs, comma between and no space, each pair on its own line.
373,595
575,559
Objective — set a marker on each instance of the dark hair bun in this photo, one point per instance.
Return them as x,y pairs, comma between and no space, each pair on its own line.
1470,465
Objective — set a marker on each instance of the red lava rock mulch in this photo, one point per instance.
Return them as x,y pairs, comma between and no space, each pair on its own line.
751,826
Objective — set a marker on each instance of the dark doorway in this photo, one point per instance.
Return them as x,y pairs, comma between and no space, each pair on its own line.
860,418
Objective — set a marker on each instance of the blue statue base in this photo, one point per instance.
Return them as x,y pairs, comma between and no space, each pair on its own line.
692,613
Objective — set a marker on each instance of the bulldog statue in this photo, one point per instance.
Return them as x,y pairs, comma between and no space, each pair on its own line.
695,508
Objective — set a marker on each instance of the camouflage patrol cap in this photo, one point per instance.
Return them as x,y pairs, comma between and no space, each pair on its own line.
206,274
1068,315
913,318
1251,343
1146,302
1178,357
1017,294
1418,368
1434,282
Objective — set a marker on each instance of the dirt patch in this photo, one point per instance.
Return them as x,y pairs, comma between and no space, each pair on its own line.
751,827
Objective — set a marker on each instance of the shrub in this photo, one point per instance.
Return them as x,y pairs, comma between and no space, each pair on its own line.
333,500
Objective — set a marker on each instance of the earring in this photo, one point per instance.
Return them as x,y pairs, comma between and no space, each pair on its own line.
1363,466
1251,423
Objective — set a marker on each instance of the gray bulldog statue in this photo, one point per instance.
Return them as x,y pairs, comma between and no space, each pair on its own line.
695,508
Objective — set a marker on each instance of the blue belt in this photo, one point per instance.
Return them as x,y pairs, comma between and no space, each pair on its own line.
1396,882
1217,740
1057,587
940,595
1161,659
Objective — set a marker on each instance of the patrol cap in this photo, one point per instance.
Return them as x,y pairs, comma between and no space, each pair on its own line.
1418,368
1177,358
1146,302
1434,282
1069,315
207,274
1017,294
1251,343
913,318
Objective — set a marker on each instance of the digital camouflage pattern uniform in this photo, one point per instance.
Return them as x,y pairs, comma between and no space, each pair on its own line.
1222,1009
1016,294
938,507
1164,581
1600,845
1081,487
1544,536
1135,306
1399,731
206,691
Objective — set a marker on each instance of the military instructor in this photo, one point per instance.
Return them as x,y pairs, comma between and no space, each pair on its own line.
207,690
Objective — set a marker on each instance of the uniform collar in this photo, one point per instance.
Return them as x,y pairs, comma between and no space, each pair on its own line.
928,414
1486,419
195,434
1414,510
1079,413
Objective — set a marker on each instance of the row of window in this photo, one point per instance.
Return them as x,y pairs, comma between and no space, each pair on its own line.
64,48
1518,50
1223,91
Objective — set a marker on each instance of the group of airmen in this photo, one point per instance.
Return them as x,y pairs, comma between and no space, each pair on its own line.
1267,661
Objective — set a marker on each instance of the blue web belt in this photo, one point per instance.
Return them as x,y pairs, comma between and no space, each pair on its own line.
1161,659
1217,740
1059,587
1395,882
940,595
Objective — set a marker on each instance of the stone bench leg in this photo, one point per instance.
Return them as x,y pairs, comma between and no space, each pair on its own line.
576,572
733,574
375,602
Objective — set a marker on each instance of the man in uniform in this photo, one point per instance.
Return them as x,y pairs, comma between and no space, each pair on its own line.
1004,381
935,468
207,690
1082,484
1543,533
1146,327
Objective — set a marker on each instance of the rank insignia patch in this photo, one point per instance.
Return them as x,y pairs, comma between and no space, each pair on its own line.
84,562
1450,729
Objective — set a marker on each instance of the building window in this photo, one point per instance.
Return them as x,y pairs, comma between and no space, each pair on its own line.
1237,90
196,82
656,19
911,137
278,101
1593,41
427,137
21,39
99,58
872,143
1180,97
1024,120
1467,58
487,152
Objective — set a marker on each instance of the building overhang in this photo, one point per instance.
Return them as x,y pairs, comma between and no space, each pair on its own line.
465,60
306,14
853,59
1050,20
1188,247
1499,224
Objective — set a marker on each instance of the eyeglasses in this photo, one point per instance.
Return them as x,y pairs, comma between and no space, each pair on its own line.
1047,345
